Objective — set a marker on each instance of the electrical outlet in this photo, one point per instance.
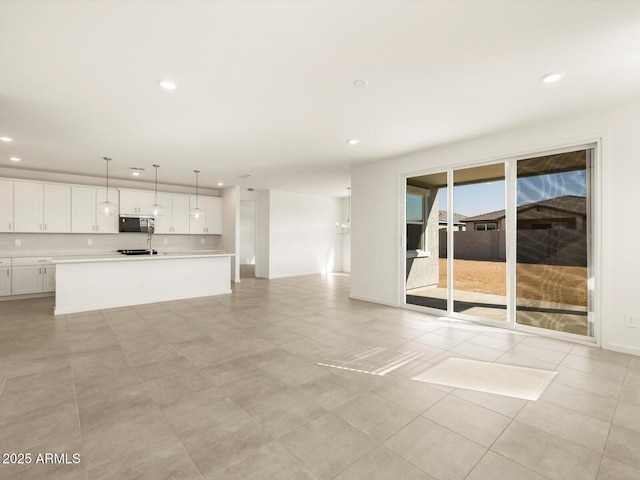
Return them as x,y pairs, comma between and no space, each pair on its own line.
18,242
166,241
202,241
631,320
89,241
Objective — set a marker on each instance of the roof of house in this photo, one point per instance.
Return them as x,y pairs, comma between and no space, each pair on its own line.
568,204
457,218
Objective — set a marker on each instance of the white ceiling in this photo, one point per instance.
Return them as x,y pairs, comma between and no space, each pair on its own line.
266,87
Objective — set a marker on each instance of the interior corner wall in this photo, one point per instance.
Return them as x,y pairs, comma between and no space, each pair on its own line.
376,208
302,234
345,239
262,233
231,226
247,255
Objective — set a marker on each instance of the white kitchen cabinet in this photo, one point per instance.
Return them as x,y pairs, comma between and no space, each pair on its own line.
49,278
176,214
85,217
32,275
57,208
180,214
5,277
213,216
28,198
211,224
26,279
42,207
6,206
136,202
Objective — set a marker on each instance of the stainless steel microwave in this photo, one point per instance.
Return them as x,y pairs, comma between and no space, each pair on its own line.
136,224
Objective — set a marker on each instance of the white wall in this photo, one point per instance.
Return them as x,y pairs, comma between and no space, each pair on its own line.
231,226
262,235
302,237
247,232
376,208
345,239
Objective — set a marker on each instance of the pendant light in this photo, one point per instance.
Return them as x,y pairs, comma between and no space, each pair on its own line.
196,213
345,228
156,209
107,208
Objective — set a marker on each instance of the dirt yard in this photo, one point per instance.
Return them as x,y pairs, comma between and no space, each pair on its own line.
548,283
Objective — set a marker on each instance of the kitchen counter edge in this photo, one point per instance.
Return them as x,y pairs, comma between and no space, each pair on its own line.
131,258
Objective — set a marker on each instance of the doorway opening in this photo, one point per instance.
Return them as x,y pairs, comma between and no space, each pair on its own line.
247,239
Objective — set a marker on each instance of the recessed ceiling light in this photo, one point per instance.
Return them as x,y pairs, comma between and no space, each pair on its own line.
353,141
168,84
220,184
360,83
136,171
6,139
551,77
14,159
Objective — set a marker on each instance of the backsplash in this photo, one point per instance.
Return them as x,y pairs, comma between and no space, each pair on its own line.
36,244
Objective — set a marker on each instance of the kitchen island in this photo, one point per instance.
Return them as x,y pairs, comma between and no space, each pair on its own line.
85,283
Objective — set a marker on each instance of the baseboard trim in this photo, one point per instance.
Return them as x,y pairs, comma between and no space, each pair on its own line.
373,300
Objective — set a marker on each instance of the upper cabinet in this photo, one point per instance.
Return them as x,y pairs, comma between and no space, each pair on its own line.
176,214
136,202
211,224
39,207
85,217
6,206
44,208
57,208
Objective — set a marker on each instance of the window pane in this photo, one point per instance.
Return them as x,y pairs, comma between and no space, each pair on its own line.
426,275
479,254
414,236
414,208
552,259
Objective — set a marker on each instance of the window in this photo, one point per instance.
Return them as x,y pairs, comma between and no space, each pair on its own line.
486,226
415,213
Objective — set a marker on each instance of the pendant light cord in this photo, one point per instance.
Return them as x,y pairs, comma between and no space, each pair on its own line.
197,172
107,159
156,167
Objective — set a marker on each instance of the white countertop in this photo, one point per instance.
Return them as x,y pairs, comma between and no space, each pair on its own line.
118,257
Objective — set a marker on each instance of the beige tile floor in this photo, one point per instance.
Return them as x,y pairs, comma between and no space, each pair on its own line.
230,388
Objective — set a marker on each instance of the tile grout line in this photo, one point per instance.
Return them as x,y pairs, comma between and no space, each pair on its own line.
75,396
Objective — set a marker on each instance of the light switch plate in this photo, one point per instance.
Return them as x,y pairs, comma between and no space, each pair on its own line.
166,240
18,242
89,241
631,320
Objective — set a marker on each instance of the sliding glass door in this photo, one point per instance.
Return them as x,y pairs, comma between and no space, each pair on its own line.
552,243
461,225
479,248
426,241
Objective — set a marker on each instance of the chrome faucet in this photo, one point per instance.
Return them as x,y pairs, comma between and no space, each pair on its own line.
150,231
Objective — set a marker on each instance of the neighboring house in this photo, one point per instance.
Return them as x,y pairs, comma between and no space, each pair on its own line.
458,221
567,212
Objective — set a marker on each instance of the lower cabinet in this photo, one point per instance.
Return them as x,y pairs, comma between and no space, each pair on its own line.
5,281
26,280
49,278
34,278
